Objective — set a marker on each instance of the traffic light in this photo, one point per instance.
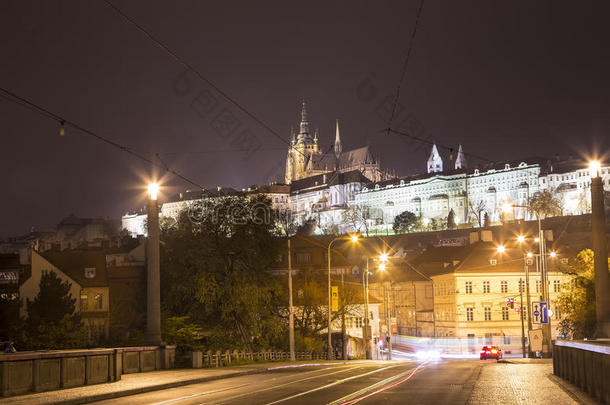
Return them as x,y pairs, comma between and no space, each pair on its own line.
510,302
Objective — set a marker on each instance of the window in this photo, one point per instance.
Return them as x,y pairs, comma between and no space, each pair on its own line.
487,312
486,287
564,260
530,261
506,340
90,272
504,286
98,301
521,286
83,302
505,313
556,285
493,262
303,257
468,287
538,285
469,314
359,322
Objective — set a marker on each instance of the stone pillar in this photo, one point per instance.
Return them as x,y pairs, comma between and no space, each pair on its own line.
602,286
153,296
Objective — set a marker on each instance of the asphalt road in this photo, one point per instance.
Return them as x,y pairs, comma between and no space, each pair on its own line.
439,382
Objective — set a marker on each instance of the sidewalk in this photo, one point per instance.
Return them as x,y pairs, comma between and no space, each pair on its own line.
136,383
524,381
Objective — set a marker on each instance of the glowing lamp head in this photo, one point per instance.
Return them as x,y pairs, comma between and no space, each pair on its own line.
520,238
382,267
594,167
536,239
553,254
530,254
383,257
153,190
501,249
354,238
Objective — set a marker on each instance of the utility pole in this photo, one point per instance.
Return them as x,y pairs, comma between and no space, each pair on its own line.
342,300
529,304
290,305
388,320
365,335
521,314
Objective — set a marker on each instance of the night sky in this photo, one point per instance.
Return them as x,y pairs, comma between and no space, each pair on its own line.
507,80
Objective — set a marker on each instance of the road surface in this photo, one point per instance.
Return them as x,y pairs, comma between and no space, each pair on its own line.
399,382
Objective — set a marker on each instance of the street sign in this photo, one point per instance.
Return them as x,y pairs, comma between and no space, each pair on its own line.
335,298
535,312
544,314
535,336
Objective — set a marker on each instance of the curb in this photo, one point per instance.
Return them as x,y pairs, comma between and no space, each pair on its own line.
159,387
573,391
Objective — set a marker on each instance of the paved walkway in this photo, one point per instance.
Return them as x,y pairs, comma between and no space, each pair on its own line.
151,381
524,381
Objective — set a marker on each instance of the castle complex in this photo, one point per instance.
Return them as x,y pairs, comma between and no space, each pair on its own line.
343,191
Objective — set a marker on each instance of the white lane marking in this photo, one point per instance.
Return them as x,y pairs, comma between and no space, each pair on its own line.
389,383
287,383
371,387
198,395
330,385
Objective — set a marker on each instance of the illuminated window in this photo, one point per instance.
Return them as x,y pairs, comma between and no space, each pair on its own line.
493,262
98,301
90,272
83,302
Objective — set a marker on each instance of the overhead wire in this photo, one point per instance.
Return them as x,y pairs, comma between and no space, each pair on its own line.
22,101
192,69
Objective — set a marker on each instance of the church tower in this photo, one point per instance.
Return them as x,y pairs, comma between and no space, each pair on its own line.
302,147
460,161
435,163
338,148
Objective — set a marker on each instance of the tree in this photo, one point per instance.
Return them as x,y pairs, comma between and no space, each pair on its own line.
485,219
477,210
577,300
451,220
213,271
357,216
545,204
51,322
406,221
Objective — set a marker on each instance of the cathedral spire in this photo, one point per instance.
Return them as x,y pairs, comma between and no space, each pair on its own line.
460,161
338,147
435,163
304,133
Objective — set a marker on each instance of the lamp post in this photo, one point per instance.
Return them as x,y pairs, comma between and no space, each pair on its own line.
290,305
598,228
353,238
501,249
153,283
546,331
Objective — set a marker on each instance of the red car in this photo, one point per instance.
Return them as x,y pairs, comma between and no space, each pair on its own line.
491,352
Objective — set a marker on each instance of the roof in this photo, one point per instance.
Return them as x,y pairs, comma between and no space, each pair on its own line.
328,179
74,262
542,162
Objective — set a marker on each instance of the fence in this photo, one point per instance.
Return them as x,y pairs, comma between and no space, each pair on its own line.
585,364
226,358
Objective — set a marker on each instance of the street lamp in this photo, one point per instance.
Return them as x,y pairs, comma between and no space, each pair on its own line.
520,238
501,249
353,238
365,280
153,283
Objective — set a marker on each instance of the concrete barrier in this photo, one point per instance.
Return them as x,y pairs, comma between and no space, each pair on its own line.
585,364
43,371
